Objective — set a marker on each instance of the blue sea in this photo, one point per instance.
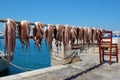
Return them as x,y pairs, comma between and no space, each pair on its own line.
28,59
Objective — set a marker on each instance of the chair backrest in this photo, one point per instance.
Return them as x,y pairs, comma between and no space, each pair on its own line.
107,37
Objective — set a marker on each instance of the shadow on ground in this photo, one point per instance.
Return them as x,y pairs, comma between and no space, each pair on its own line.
88,70
84,72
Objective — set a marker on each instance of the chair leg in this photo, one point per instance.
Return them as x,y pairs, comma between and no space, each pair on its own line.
117,54
103,54
100,56
110,61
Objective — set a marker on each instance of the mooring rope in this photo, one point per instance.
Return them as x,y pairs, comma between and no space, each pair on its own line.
19,67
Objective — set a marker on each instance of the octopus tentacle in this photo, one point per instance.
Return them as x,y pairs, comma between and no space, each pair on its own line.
38,33
10,37
58,34
24,33
66,36
73,35
6,36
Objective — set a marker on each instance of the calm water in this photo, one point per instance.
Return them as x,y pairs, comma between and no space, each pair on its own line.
32,58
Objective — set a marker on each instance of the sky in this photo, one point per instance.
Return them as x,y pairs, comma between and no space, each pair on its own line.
103,14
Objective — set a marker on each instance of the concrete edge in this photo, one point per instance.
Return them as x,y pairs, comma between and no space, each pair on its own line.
33,73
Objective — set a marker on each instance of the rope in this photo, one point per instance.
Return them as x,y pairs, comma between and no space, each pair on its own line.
19,67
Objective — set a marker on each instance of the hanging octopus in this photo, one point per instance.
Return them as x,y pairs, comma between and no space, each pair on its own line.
73,35
81,34
100,33
48,35
58,34
24,33
10,37
90,36
77,36
45,35
66,35
85,41
94,34
38,33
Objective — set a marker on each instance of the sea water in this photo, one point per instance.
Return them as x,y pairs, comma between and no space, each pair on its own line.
28,59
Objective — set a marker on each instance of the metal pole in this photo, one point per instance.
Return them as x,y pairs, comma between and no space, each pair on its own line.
31,23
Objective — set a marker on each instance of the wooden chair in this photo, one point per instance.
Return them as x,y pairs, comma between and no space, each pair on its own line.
106,47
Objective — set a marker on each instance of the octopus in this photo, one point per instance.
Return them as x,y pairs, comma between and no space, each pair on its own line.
48,35
85,40
10,37
58,35
24,33
38,33
45,35
94,34
73,35
99,34
80,32
90,36
66,36
77,36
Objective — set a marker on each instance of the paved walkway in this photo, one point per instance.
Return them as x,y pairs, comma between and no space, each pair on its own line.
87,69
